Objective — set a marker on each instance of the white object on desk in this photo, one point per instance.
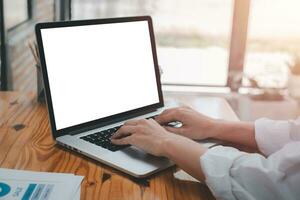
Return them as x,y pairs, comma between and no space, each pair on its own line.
183,176
29,185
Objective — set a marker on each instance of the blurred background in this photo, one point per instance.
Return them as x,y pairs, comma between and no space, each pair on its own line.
244,50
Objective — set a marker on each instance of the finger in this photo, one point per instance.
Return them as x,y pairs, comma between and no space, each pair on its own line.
119,135
152,121
174,130
124,131
122,141
168,111
165,118
132,122
186,107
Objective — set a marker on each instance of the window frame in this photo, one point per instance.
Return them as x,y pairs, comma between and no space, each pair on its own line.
3,68
12,35
63,10
29,17
239,35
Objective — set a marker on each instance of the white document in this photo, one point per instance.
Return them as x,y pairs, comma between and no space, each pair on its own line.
28,185
183,176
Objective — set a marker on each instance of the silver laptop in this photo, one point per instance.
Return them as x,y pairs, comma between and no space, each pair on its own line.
98,74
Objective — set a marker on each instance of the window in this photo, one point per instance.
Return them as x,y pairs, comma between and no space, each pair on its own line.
2,49
16,12
193,36
273,41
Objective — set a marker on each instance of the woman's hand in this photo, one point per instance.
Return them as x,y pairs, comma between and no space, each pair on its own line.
144,134
194,124
198,126
154,139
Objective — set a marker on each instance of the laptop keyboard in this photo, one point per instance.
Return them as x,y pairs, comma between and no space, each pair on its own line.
102,139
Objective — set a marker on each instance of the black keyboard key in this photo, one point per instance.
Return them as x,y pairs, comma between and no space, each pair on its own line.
102,139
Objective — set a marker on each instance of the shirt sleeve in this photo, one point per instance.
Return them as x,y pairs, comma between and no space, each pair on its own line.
232,174
272,135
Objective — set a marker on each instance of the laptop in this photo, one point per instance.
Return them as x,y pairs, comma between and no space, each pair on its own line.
97,75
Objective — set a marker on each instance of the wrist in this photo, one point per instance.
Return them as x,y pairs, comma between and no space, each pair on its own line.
220,128
215,128
168,144
177,147
235,132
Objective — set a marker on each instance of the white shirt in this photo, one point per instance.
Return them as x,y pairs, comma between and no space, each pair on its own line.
233,174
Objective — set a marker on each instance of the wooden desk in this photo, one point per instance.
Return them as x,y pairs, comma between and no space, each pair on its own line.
26,143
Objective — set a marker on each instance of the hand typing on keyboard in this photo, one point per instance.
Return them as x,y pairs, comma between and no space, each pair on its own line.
102,139
193,125
145,134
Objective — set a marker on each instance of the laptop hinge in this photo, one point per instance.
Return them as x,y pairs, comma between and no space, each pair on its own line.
119,119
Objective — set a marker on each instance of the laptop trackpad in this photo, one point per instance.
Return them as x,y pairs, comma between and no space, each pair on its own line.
136,153
137,161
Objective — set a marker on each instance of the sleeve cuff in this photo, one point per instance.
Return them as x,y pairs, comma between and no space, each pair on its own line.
271,135
216,164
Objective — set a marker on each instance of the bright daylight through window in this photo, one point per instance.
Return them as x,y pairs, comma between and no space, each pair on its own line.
193,36
273,41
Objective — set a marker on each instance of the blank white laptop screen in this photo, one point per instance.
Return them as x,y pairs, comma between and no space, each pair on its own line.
96,71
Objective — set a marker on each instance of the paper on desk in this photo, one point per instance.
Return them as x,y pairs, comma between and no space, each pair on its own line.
77,195
183,176
28,185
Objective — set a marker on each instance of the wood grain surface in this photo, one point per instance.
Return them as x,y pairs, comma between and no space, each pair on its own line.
26,143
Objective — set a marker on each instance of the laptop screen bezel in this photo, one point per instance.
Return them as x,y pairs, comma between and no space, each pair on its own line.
106,120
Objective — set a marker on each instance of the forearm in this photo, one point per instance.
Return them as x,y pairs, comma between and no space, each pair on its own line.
186,154
242,133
